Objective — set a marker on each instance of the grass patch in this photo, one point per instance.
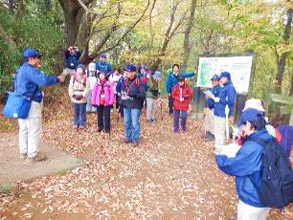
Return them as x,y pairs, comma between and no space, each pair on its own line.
6,188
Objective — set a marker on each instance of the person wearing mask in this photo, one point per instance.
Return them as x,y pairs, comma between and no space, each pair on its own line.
132,94
27,83
172,81
224,105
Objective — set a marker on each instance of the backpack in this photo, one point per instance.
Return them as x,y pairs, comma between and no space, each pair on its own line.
276,187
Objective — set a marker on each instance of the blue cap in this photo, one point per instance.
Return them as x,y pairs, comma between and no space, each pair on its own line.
130,68
225,74
30,52
215,77
104,55
250,115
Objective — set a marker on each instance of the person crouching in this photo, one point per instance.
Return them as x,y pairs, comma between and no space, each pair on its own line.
182,94
103,98
78,90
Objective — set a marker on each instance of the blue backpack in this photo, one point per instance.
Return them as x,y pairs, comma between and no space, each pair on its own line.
276,188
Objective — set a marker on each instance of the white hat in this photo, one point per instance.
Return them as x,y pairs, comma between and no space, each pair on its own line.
92,67
255,104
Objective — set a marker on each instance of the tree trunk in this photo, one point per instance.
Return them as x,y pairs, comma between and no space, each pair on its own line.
291,84
151,35
187,45
72,14
283,57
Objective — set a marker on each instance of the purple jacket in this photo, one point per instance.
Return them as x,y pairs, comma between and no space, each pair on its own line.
100,88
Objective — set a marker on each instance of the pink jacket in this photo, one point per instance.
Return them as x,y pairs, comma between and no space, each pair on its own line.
102,87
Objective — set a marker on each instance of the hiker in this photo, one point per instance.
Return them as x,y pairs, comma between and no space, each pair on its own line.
114,78
172,80
182,95
152,95
224,104
209,115
27,83
132,94
91,74
246,166
79,89
72,55
103,65
103,99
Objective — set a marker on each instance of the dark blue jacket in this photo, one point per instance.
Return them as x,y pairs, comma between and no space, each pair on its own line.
28,81
72,61
216,91
227,97
104,66
172,80
246,167
135,89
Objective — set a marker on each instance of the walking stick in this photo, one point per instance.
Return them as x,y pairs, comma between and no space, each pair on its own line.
227,110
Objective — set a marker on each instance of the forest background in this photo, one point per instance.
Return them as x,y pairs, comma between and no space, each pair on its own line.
157,33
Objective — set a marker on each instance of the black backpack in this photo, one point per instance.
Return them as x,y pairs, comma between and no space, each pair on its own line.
276,188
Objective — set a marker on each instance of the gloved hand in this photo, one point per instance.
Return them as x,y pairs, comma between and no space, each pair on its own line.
216,99
181,99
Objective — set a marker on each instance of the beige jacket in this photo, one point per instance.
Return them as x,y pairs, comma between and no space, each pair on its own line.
79,86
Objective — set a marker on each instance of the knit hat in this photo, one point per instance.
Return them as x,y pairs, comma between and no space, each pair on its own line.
255,104
250,115
81,66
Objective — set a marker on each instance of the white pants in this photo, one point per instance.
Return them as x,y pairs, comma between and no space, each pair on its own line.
247,212
30,129
209,120
219,130
151,108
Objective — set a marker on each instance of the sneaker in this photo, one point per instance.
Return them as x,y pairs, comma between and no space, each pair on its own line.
39,157
134,144
150,120
125,141
23,155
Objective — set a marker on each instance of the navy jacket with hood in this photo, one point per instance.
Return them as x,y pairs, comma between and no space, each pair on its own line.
28,81
216,91
72,61
227,97
246,167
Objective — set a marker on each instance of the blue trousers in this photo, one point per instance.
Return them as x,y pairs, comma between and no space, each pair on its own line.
132,124
79,118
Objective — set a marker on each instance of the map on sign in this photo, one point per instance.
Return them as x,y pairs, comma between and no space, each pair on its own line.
238,66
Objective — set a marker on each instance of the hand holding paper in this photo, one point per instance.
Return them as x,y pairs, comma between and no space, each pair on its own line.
209,94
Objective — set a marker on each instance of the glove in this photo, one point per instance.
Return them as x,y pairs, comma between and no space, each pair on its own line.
181,99
216,99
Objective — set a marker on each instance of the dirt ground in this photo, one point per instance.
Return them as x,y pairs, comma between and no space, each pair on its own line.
168,176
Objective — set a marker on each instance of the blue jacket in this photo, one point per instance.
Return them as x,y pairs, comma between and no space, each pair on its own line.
72,61
104,66
246,167
216,91
227,97
28,81
172,80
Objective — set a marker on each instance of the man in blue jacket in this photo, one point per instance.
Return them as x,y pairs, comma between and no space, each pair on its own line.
209,112
28,81
224,102
72,55
103,65
132,95
172,81
246,166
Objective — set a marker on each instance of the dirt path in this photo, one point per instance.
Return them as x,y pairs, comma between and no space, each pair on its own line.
169,176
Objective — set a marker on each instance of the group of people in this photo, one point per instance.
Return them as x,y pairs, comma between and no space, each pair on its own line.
98,88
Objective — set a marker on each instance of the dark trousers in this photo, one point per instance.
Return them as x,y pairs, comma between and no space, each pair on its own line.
177,115
170,104
104,121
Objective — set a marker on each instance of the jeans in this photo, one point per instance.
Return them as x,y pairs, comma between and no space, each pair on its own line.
177,114
132,124
79,118
104,121
30,130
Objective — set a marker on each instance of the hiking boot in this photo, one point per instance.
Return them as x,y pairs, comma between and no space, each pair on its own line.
81,127
100,129
23,155
39,157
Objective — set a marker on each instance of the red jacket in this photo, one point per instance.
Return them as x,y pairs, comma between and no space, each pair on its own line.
187,93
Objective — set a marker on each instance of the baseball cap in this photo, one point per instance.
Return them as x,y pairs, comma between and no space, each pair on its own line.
130,68
215,77
30,52
250,115
225,74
